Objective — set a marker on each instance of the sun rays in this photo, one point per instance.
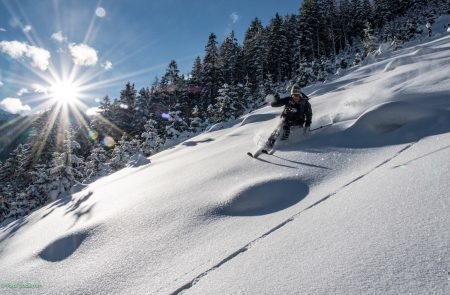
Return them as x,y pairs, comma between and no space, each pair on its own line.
62,90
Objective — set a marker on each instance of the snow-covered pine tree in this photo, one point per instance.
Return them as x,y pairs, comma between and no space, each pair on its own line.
370,41
66,168
5,207
125,152
197,123
176,129
40,185
151,141
229,54
228,106
97,164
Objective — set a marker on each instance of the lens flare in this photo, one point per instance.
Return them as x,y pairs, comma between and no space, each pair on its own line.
93,135
109,142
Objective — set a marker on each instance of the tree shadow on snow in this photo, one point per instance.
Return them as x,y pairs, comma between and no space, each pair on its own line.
194,143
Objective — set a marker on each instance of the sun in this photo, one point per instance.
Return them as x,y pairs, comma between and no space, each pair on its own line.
65,92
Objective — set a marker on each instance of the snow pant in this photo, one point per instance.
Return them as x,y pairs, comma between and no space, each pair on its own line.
284,130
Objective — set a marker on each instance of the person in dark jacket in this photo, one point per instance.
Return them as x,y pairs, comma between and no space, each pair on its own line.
297,112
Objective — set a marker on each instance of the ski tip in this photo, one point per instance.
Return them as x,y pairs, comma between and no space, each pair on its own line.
250,154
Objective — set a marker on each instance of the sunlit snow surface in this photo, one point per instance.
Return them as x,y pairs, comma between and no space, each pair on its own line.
361,207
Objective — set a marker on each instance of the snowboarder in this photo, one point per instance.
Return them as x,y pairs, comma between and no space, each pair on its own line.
297,112
428,25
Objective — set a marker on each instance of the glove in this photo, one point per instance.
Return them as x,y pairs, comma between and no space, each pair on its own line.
277,96
306,130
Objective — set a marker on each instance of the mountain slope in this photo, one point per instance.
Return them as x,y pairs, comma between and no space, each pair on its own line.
358,207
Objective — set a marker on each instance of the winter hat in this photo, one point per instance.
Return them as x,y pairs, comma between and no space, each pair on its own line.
295,90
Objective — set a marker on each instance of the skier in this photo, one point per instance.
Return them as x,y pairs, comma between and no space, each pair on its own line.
297,112
428,25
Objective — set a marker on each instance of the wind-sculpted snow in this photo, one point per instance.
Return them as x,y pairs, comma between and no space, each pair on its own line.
397,122
397,62
254,118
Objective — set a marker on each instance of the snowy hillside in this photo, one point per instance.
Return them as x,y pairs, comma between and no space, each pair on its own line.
361,207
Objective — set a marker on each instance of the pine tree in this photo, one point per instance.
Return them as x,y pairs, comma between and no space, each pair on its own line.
97,164
126,151
229,54
5,207
370,41
210,75
125,117
228,104
345,21
197,124
151,141
254,54
310,26
278,54
328,10
66,168
196,73
172,73
40,185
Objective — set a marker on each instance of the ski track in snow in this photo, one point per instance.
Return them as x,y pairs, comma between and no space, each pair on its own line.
249,245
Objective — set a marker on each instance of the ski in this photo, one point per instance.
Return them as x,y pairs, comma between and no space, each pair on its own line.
269,149
256,153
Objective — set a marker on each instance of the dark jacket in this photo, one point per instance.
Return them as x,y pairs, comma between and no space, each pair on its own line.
295,113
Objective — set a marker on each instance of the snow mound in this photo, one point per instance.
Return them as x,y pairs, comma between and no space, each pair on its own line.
390,116
397,62
264,198
393,123
254,118
423,50
62,248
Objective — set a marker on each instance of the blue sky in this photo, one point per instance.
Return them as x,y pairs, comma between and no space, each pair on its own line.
101,45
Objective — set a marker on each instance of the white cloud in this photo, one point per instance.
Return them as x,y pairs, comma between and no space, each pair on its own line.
2,30
1,84
83,55
234,17
26,29
15,49
107,65
22,91
39,57
93,111
39,89
14,105
58,36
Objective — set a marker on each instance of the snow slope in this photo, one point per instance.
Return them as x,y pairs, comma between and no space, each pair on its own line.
361,207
